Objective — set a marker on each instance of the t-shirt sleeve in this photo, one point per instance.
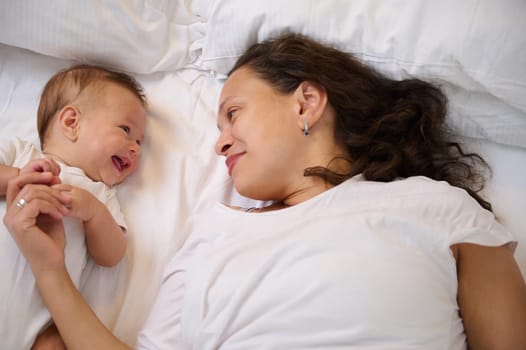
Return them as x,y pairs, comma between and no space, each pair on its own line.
112,203
470,223
7,151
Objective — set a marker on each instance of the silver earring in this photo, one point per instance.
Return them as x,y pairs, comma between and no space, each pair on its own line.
305,127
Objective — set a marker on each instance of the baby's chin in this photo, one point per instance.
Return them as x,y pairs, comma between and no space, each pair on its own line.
114,183
118,181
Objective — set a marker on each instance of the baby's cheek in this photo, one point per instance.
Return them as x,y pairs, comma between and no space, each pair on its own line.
135,165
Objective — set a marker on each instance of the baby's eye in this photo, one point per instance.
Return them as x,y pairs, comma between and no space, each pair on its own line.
125,128
138,142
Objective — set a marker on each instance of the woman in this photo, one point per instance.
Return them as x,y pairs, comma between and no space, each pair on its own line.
376,237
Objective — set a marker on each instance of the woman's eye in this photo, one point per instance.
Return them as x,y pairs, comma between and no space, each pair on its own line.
125,128
230,114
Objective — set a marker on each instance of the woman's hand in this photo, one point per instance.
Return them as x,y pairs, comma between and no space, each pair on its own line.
33,217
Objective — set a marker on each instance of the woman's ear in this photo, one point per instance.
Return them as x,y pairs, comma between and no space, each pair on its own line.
312,98
69,120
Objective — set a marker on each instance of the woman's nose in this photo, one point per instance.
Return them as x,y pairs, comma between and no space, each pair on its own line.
224,142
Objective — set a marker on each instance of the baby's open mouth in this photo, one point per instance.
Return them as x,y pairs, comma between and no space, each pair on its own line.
120,163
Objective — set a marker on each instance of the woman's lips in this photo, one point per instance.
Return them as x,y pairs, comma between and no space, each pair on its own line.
231,162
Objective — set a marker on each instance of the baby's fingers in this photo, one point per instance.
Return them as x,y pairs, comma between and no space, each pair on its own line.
42,165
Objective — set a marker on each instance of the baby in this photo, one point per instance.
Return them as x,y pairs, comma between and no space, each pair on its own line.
91,125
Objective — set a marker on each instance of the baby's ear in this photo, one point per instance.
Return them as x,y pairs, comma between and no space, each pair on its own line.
69,119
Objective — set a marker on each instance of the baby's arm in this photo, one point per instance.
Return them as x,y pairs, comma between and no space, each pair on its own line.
8,172
105,239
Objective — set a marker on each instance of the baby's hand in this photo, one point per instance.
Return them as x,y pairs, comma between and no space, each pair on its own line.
43,165
83,204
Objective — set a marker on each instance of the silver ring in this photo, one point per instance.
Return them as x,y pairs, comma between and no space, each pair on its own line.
21,202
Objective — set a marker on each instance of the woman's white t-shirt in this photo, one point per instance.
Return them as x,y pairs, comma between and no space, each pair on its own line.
364,265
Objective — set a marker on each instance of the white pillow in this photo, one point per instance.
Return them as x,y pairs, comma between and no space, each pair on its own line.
476,49
138,36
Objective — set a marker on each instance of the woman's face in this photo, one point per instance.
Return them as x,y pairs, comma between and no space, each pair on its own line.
259,137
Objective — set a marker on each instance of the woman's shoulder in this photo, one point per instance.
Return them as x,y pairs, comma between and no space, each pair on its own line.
438,197
417,197
406,190
452,208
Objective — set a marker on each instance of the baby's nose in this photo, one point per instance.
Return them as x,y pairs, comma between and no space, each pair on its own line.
135,149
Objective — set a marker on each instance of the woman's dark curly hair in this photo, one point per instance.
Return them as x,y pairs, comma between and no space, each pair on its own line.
391,129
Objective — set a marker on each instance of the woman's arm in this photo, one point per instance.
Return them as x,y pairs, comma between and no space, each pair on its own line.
78,325
44,250
492,297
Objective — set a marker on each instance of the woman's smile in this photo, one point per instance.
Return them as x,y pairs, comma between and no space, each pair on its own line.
231,162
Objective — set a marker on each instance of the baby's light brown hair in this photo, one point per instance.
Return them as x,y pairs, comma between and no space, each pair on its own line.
66,85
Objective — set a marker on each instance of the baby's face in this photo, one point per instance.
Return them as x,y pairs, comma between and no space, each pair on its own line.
111,134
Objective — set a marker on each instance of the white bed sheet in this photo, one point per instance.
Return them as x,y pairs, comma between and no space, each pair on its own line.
179,170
